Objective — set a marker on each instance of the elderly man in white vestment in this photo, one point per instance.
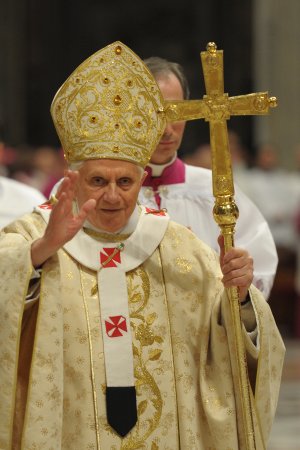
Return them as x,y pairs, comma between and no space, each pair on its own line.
115,324
186,192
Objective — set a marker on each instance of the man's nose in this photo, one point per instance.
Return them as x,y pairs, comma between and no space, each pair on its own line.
168,130
111,193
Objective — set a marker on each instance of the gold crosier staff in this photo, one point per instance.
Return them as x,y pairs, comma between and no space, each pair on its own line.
216,108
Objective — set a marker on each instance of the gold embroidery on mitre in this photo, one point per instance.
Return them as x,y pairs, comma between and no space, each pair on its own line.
109,107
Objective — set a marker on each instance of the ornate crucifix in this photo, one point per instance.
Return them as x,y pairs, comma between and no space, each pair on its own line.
216,107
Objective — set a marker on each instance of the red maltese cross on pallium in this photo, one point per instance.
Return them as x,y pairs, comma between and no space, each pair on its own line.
110,256
115,326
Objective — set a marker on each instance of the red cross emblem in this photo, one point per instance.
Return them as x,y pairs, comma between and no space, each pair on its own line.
156,212
115,325
110,257
46,205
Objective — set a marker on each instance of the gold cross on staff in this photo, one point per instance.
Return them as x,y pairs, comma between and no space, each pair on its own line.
216,108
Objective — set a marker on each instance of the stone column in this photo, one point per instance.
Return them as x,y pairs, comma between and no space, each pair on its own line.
276,38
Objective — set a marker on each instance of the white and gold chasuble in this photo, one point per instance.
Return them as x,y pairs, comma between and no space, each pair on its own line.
180,328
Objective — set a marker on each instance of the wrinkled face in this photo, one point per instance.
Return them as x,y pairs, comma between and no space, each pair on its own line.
115,186
171,139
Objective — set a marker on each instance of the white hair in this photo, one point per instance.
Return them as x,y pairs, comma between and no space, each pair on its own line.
141,170
75,165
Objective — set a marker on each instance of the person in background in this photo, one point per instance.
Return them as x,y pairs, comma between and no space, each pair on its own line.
273,190
201,157
16,199
186,191
276,192
41,167
48,168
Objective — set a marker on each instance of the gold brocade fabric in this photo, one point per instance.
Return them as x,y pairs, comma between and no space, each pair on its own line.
109,107
183,375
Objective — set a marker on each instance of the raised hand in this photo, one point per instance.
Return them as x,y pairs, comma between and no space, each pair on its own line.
237,268
63,223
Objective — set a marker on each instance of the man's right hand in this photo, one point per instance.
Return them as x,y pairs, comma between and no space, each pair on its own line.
63,224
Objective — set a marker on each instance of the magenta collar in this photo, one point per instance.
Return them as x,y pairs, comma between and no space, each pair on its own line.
173,174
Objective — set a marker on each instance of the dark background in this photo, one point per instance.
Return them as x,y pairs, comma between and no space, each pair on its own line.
42,42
